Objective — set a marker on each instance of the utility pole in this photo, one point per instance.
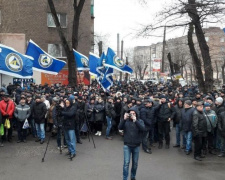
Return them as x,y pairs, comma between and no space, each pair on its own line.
126,76
163,51
118,45
100,48
150,57
121,59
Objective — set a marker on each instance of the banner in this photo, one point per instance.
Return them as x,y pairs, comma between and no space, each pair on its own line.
61,77
81,61
156,65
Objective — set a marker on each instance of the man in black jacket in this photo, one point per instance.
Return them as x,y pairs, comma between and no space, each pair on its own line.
165,113
147,114
39,110
133,128
199,130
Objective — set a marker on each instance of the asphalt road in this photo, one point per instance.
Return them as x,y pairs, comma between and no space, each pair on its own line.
23,162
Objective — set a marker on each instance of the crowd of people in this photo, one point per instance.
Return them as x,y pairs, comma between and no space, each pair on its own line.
69,113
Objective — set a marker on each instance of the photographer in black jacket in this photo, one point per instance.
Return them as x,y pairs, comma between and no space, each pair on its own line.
133,130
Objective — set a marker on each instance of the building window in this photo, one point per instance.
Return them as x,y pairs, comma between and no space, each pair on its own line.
56,50
222,39
62,20
207,39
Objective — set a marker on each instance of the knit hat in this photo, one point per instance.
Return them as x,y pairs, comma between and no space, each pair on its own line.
207,105
188,102
162,96
219,100
38,97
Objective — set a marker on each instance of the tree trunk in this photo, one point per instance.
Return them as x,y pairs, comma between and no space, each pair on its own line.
223,76
196,60
126,75
72,77
194,73
192,12
217,73
143,75
171,63
191,74
186,74
100,48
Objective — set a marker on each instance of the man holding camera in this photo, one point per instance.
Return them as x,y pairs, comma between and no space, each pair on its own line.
133,128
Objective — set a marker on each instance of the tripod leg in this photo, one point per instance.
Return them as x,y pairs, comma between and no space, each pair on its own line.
90,132
43,159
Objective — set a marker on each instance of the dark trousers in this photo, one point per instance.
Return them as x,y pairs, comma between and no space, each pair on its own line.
22,133
77,130
98,126
145,140
199,142
10,130
164,129
209,141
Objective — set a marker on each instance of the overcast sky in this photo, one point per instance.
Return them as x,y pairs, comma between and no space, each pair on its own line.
125,17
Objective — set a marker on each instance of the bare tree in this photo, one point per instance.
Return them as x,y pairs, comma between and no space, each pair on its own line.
78,7
195,12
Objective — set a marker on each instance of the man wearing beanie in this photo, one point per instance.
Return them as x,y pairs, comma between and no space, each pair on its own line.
211,119
165,113
219,106
199,130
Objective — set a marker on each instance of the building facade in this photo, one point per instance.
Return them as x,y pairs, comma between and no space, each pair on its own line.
33,18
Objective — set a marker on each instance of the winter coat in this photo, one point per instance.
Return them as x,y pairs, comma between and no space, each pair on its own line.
31,104
177,116
186,119
199,124
7,110
80,110
164,112
118,108
22,112
219,109
133,131
147,114
90,112
69,117
99,110
39,111
221,124
50,114
109,110
211,119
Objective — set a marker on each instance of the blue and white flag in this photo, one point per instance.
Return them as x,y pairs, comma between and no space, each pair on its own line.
81,61
101,69
113,61
93,63
107,80
15,64
44,62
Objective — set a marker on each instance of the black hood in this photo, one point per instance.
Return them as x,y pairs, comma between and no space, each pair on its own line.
135,110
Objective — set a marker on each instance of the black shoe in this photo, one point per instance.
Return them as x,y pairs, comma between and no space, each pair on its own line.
197,158
37,140
18,141
183,147
133,179
202,156
188,152
10,140
79,142
167,146
152,145
25,141
221,155
160,146
42,141
176,146
68,154
72,156
148,151
211,152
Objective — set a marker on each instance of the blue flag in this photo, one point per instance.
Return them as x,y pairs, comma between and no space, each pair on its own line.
101,69
224,30
81,61
107,80
44,62
93,63
15,64
113,61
